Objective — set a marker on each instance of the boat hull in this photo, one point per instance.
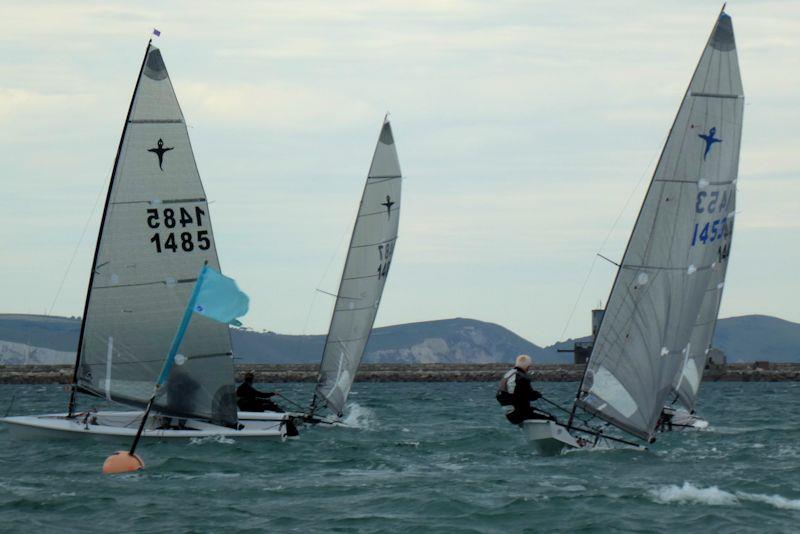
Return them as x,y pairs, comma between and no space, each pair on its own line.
683,420
111,426
548,437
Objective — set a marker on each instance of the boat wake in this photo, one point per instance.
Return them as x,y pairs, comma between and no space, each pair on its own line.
713,496
212,439
776,501
359,417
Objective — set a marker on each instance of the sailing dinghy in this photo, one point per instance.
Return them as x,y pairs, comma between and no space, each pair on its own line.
366,268
155,237
660,315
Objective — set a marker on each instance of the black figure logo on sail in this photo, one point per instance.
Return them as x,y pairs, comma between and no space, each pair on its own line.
709,139
388,205
159,151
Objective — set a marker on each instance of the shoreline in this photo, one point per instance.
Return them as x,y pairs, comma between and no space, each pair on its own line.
430,372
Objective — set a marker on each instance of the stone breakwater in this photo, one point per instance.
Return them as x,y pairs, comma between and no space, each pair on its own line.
429,372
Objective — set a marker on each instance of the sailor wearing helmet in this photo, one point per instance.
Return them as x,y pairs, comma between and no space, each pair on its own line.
515,393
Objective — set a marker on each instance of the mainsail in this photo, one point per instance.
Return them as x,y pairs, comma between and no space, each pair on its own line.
155,236
364,275
677,248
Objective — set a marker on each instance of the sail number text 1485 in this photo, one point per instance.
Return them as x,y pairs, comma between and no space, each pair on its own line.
182,239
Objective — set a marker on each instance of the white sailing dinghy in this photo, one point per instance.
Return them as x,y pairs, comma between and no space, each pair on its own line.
155,235
366,268
666,294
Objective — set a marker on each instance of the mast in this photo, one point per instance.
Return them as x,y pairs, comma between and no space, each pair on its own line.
71,403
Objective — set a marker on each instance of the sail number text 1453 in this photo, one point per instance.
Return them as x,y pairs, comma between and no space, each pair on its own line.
717,229
385,252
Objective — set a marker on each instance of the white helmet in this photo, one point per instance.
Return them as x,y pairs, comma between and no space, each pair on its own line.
524,362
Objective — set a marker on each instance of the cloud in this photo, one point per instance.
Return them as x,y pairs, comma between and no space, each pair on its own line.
274,106
522,128
16,102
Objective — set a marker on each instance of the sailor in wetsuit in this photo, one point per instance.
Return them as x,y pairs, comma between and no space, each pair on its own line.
249,399
515,393
664,423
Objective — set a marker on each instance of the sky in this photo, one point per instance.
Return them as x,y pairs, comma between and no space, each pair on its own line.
527,133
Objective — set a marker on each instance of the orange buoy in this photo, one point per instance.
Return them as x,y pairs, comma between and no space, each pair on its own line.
122,462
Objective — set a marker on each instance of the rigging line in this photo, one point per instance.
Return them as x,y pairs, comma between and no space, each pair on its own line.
303,408
314,419
11,404
290,401
77,247
548,401
132,421
338,296
604,436
584,421
608,260
308,315
611,231
324,274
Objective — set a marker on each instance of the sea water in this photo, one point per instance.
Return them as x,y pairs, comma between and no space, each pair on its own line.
419,457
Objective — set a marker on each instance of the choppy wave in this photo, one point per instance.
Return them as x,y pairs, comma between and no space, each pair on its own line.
428,459
688,493
212,439
776,501
360,417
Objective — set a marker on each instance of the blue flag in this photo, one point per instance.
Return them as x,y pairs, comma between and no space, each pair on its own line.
214,296
219,298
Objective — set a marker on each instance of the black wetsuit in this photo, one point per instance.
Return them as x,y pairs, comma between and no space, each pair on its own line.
520,398
665,421
249,399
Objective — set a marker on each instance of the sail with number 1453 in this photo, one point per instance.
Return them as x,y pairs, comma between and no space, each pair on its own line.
659,317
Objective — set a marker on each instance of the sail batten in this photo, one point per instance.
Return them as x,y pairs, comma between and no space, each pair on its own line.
714,95
155,235
681,234
364,275
156,121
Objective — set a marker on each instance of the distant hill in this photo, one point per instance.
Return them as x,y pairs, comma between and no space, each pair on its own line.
443,341
743,339
447,341
57,333
758,337
43,339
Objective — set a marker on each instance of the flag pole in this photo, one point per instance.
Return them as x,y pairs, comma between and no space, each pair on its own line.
125,461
